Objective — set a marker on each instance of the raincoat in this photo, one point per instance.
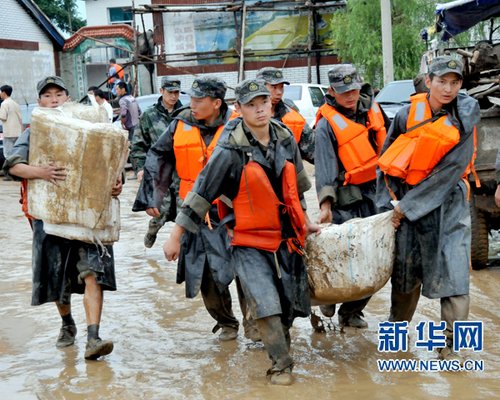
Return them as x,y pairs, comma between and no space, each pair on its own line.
206,247
433,241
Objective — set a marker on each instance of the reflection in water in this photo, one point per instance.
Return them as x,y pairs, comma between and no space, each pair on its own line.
164,348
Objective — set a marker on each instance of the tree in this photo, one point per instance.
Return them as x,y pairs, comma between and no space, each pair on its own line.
357,34
62,13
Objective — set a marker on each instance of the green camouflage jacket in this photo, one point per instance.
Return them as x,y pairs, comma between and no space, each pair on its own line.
153,123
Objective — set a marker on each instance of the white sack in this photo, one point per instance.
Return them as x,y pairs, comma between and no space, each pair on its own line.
350,261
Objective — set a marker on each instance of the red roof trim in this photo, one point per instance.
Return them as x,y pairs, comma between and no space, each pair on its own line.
104,31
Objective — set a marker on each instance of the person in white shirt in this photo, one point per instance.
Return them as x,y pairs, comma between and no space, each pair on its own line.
98,99
10,116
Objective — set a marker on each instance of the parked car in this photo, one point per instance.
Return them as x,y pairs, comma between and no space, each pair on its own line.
148,100
308,97
394,96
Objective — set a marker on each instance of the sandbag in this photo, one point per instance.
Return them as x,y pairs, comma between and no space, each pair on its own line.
350,261
108,235
93,154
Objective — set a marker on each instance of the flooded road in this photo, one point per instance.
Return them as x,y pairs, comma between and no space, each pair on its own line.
164,348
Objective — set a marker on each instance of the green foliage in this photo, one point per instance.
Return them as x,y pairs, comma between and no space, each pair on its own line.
357,34
62,13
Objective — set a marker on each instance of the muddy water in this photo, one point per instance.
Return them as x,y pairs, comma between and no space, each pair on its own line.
164,348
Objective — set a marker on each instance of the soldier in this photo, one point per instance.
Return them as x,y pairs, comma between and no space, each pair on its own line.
153,123
349,124
286,113
60,266
257,159
185,148
432,217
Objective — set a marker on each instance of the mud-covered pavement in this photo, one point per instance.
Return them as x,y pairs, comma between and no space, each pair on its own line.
164,348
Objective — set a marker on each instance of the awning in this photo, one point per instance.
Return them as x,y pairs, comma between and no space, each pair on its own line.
457,16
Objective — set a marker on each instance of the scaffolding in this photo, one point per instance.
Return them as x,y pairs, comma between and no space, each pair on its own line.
238,54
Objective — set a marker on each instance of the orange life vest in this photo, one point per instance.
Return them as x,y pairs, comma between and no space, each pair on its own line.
191,153
414,154
295,122
354,147
119,71
257,210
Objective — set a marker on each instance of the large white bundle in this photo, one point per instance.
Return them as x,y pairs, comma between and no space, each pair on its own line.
350,261
93,154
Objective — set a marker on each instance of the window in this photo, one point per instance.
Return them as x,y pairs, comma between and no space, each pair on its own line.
120,15
317,96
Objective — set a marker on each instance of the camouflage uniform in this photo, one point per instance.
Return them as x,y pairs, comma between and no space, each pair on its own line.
274,76
153,123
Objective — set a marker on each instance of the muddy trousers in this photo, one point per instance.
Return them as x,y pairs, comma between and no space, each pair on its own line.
156,223
217,303
249,325
353,308
167,213
453,308
276,339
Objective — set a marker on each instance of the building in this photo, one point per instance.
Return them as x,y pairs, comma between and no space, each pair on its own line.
28,54
101,16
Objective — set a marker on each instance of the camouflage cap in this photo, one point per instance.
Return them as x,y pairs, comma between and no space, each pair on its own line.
50,80
208,86
249,89
271,75
172,85
442,65
344,77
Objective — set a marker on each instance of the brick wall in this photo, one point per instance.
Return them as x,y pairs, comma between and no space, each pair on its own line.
294,75
17,24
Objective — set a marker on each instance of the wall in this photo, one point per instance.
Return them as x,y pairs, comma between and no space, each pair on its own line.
27,54
97,12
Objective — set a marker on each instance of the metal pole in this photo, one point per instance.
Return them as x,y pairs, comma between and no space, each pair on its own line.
310,40
241,74
386,19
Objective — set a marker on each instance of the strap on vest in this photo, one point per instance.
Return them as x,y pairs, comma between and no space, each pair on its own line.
433,119
293,244
391,192
208,222
467,185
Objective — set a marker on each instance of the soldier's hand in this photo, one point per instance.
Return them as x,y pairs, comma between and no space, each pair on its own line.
397,216
117,188
497,196
325,213
52,173
172,246
140,174
312,228
153,212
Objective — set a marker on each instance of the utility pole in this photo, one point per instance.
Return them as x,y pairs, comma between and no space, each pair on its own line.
386,19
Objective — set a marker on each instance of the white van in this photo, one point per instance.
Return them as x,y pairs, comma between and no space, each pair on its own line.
308,97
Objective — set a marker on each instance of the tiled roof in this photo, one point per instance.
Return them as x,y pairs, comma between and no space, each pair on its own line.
104,31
